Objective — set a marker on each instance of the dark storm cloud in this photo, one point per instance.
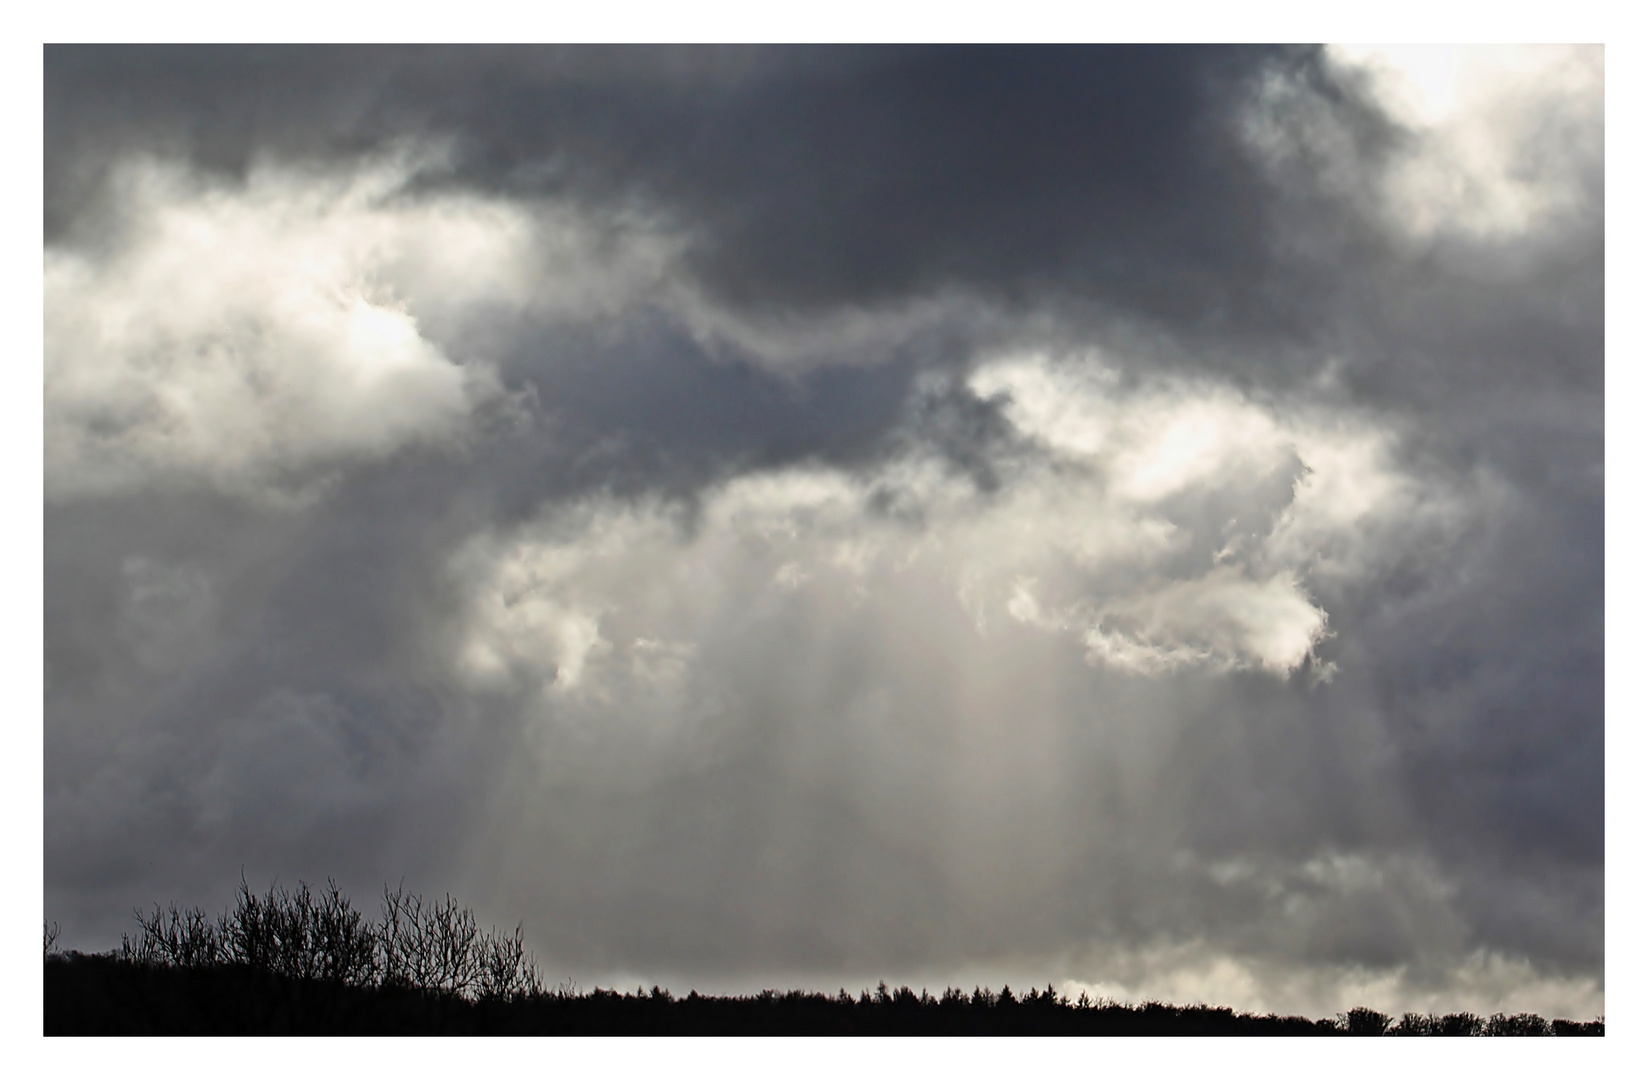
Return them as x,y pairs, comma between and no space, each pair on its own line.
1053,512
807,179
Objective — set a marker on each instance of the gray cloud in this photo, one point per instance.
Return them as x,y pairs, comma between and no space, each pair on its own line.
1010,168
1122,516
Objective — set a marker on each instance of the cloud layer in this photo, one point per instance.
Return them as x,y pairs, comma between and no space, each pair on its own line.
1123,517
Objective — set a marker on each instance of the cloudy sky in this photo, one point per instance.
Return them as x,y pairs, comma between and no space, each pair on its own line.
1125,518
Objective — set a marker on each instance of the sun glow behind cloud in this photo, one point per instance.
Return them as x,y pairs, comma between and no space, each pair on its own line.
235,336
256,336
1474,114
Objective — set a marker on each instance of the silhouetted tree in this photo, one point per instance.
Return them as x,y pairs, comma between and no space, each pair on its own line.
1361,1021
1413,1024
1520,1024
1457,1024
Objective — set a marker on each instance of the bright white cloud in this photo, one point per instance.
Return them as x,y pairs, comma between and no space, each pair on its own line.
1115,541
253,336
1151,444
1482,162
1196,973
1493,142
1221,620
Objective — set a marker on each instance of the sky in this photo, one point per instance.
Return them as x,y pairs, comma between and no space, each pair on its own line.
1123,518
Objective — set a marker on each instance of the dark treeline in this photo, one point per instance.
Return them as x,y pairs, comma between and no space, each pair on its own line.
308,962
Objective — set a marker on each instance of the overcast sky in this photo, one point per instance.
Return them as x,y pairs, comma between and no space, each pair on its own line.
1124,518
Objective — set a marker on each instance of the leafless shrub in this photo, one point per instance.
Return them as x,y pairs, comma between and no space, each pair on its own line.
401,956
248,930
295,918
300,934
507,972
346,943
53,932
452,944
318,935
134,951
440,949
178,937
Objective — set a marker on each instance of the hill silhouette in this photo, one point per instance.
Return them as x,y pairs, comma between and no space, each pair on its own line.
307,962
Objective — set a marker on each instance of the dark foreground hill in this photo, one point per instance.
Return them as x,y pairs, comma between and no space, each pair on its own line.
309,963
105,995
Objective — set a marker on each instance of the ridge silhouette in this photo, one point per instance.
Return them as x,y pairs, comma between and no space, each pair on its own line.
306,961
